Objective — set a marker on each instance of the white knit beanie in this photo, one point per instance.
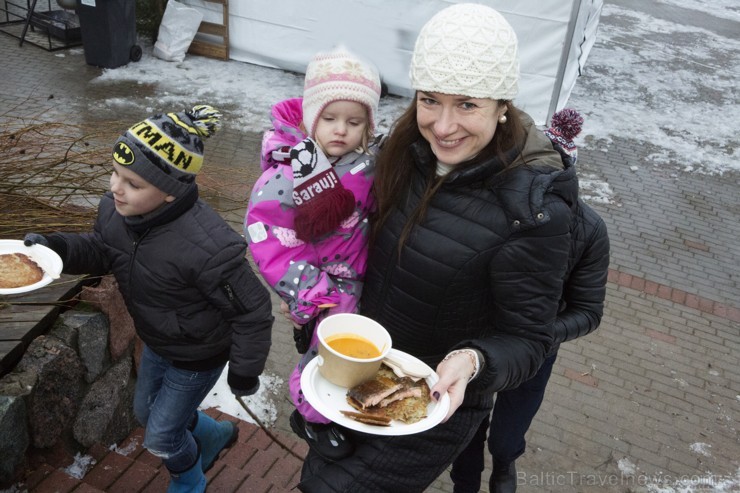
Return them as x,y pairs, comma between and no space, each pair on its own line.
467,49
339,76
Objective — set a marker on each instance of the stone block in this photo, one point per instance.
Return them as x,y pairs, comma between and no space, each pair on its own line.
93,345
14,438
55,397
88,332
18,383
65,328
106,412
107,297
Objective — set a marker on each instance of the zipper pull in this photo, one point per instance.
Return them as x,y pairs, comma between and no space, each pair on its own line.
229,292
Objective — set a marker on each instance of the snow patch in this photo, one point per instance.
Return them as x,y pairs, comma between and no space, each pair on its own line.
701,448
261,404
127,450
81,465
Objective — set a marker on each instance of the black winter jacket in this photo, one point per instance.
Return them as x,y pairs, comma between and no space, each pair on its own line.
582,304
187,284
484,269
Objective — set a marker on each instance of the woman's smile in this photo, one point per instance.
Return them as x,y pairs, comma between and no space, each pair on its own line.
448,143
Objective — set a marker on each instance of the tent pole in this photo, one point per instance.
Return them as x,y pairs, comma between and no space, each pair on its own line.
557,87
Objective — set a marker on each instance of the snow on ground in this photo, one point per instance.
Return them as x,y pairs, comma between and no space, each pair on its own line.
671,86
80,466
632,477
262,404
725,9
247,90
701,448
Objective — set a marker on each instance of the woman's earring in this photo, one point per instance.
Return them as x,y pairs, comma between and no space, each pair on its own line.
502,119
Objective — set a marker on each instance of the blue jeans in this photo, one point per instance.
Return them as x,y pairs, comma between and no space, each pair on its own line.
512,415
165,403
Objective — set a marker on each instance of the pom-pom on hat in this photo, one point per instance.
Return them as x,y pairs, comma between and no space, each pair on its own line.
339,76
467,49
167,150
565,125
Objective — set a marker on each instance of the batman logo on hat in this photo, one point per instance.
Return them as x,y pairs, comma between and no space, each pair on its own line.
122,154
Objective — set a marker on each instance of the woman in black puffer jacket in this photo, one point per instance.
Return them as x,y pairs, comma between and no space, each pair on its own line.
469,250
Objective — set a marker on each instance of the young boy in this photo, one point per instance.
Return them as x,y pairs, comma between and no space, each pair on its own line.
182,270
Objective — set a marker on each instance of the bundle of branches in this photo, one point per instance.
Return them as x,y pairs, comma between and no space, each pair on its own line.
52,176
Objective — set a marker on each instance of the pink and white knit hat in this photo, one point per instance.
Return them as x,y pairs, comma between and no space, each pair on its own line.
339,76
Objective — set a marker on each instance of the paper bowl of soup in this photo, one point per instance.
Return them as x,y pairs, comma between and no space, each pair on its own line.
351,348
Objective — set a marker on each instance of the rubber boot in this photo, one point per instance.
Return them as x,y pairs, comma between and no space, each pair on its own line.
191,481
503,478
214,436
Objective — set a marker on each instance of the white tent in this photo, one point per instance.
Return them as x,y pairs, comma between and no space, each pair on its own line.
555,37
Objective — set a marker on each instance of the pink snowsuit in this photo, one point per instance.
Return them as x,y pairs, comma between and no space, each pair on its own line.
306,275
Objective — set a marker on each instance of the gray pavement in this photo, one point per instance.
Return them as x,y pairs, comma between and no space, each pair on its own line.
650,399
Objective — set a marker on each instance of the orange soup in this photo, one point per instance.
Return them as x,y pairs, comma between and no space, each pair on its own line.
353,346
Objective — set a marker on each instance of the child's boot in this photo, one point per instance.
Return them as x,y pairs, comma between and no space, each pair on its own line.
214,436
191,480
327,440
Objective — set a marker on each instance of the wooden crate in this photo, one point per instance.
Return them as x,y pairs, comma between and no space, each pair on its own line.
213,49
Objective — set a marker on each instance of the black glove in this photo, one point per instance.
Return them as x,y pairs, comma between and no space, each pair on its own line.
54,242
302,336
243,386
35,239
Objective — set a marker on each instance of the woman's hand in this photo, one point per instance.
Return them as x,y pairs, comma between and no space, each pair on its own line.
285,310
454,373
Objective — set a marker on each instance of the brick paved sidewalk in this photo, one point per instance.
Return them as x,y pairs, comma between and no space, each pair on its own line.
256,463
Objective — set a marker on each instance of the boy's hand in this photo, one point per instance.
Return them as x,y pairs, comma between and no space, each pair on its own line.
35,239
243,386
56,244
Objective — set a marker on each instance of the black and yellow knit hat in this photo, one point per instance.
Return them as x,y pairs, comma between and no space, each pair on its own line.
167,150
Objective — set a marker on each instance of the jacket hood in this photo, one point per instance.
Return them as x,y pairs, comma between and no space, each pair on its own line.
286,119
523,191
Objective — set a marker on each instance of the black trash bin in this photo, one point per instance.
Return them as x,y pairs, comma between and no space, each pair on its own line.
108,29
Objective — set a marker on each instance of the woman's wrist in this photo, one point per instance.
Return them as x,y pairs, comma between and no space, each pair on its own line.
474,359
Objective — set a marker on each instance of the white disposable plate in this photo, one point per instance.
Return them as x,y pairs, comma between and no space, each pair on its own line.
330,399
46,258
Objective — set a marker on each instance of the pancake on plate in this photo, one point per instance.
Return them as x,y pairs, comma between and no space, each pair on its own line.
18,270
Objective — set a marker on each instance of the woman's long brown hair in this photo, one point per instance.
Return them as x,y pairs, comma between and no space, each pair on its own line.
394,167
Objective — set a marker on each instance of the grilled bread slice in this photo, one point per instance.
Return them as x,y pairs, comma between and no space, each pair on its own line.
370,419
389,397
